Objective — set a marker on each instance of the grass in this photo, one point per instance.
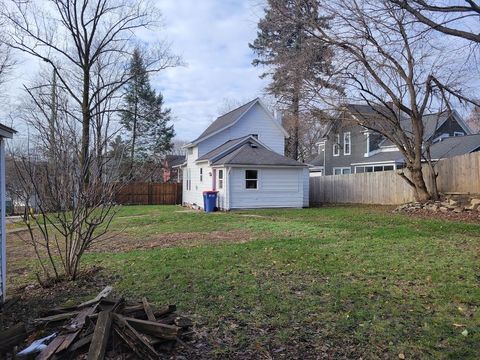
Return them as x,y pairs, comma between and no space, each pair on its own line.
339,281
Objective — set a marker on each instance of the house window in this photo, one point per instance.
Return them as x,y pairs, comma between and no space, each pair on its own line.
189,179
190,151
458,133
373,168
336,146
321,148
251,179
201,174
346,143
220,179
341,171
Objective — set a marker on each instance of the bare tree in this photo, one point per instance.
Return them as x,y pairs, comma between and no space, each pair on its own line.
449,18
88,45
386,60
64,216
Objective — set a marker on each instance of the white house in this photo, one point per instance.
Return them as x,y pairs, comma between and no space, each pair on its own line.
5,132
241,155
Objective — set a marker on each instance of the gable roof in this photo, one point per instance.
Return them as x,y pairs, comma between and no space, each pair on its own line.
6,132
251,153
246,150
230,118
222,148
175,160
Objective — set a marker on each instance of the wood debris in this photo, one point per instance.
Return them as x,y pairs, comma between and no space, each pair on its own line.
104,328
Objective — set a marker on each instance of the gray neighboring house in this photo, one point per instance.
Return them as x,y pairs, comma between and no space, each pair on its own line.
5,133
349,148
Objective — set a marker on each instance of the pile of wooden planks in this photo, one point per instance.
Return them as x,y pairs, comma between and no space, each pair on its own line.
108,328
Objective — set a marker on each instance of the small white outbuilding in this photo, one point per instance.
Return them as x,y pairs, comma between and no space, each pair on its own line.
241,155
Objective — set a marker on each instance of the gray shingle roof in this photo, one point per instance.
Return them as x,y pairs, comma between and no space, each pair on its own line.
175,160
252,153
456,145
448,147
317,160
222,148
226,120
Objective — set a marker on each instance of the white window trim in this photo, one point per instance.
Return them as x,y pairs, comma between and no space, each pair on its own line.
349,143
373,166
336,145
220,180
342,168
245,180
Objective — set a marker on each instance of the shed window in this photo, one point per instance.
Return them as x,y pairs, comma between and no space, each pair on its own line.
251,179
336,146
220,179
346,143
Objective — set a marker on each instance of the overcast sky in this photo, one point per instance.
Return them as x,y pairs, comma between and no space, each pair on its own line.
212,38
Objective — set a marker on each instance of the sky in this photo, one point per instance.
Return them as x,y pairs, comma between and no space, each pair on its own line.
212,37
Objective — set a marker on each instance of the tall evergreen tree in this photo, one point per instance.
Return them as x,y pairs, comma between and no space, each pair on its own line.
144,116
298,63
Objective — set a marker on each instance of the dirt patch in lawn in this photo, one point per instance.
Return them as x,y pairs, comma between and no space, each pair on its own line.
123,242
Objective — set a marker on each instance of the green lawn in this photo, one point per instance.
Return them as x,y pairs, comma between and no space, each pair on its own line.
335,282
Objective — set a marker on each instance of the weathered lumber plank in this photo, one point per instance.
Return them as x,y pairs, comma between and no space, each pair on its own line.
55,318
81,343
69,338
133,339
101,335
148,310
102,294
51,348
163,331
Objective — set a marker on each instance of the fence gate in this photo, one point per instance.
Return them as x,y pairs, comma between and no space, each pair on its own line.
150,194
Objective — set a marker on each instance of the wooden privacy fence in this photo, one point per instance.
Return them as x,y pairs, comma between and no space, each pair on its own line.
460,174
150,194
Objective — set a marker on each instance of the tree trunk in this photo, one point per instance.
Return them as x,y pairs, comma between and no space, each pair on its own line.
85,126
296,122
420,188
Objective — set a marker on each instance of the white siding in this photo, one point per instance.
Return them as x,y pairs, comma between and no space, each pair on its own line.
255,121
277,187
195,194
306,187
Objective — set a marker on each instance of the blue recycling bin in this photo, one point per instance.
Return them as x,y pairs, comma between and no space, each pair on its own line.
209,200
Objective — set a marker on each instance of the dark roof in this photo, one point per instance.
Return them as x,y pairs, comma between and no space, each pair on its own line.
175,160
448,147
317,160
6,131
226,120
222,148
455,145
252,153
